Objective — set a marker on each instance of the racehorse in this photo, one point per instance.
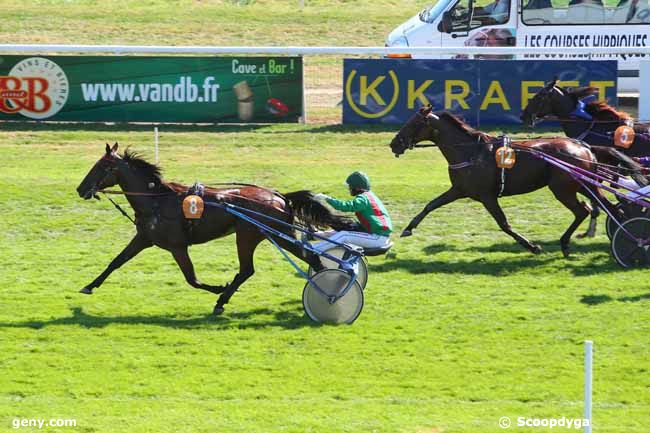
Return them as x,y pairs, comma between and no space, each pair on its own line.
474,174
594,122
160,221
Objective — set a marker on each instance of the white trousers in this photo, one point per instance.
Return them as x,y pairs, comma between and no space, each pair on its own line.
631,184
364,240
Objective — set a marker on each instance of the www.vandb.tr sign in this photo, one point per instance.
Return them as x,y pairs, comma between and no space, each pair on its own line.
481,91
151,89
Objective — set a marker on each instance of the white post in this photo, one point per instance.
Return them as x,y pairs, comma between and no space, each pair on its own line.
589,353
155,144
304,92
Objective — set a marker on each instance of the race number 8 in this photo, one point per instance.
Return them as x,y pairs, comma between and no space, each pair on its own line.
193,207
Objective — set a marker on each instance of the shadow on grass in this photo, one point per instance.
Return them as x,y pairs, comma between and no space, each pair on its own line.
577,264
293,319
601,299
513,247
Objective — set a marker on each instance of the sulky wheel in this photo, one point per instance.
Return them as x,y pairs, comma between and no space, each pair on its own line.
629,210
628,252
332,282
362,265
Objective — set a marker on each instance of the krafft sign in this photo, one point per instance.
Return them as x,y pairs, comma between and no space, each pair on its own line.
151,89
482,91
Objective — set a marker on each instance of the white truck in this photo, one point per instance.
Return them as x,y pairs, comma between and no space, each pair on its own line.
535,23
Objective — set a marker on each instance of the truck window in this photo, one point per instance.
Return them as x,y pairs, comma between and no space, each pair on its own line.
467,15
491,12
585,12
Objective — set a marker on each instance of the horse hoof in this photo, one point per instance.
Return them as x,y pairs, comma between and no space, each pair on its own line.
217,310
86,291
536,249
587,234
566,253
406,233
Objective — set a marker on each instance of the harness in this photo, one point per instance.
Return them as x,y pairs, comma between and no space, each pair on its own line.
501,141
579,111
461,165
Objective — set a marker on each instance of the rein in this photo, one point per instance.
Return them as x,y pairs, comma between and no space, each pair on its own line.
215,195
516,147
122,211
554,118
142,194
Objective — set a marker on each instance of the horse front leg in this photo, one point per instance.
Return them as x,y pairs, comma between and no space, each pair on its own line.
185,263
137,244
492,205
452,194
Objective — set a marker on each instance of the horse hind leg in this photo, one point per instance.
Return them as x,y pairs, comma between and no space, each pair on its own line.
248,238
579,209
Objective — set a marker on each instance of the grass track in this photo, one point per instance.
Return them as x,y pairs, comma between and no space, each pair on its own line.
460,325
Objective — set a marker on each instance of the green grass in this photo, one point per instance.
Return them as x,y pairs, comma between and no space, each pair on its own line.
270,22
460,327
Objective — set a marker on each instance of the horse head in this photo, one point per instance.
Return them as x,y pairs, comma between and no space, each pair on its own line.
552,99
103,174
420,127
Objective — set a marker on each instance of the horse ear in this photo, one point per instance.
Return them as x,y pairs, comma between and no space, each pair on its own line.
108,149
552,83
114,149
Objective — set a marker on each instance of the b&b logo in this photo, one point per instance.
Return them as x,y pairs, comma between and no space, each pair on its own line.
36,87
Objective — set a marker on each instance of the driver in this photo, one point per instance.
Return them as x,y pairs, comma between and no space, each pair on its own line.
497,11
375,223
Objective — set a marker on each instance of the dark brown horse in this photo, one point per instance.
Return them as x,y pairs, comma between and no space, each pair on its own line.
160,221
598,131
474,174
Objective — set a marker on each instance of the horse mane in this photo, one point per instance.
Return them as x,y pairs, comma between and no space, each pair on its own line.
597,108
151,171
481,137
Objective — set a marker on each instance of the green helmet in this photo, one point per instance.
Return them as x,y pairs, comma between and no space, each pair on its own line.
358,180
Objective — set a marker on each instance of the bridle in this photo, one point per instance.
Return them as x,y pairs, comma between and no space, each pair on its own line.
421,118
544,95
106,170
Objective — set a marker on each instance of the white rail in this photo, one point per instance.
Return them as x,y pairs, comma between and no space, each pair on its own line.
167,49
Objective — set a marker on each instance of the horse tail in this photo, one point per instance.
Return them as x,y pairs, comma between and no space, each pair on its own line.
313,213
613,156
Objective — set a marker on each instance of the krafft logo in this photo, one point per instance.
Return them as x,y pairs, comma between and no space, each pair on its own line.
368,91
36,87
